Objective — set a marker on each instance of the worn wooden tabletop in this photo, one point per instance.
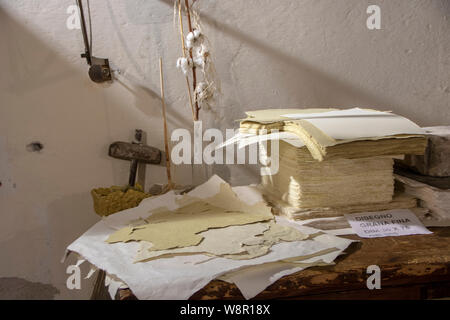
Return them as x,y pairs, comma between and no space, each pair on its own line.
412,267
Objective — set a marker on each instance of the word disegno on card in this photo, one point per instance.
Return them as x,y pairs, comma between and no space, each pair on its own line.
399,222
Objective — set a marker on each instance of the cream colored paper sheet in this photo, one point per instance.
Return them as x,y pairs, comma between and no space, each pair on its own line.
234,242
254,279
181,228
319,131
328,126
275,115
167,229
216,242
261,245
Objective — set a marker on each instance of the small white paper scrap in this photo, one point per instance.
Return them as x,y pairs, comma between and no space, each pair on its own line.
389,223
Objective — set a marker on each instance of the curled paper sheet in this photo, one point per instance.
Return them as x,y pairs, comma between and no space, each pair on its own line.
350,128
338,125
321,129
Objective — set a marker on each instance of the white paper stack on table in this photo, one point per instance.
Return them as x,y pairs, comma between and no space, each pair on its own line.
171,246
341,161
427,177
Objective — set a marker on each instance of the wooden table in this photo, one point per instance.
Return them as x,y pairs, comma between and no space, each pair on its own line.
412,267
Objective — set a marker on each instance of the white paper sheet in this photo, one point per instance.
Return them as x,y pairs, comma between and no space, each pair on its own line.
181,276
252,280
113,285
219,241
289,137
349,128
173,278
346,124
237,137
357,123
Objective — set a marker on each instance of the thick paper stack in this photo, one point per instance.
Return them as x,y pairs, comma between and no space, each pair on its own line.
436,200
344,163
304,182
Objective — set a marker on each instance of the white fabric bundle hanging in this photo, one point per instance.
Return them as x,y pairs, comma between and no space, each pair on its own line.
184,64
192,37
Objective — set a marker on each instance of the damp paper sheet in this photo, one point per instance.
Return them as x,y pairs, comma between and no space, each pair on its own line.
178,277
234,242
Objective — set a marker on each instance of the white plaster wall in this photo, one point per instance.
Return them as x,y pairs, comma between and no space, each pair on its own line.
281,53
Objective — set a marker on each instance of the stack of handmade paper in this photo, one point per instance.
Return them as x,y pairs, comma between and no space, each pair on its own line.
334,161
427,177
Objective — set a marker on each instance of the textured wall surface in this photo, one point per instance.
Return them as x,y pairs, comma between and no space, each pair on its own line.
283,53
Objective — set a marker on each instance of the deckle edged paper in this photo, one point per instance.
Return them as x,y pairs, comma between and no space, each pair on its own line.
179,277
252,280
320,129
261,245
167,229
235,242
215,242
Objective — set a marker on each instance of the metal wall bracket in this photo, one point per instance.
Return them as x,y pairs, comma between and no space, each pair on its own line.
99,70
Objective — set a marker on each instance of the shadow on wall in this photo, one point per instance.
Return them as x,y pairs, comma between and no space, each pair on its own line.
445,7
142,93
329,91
44,246
322,88
303,84
35,82
44,67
